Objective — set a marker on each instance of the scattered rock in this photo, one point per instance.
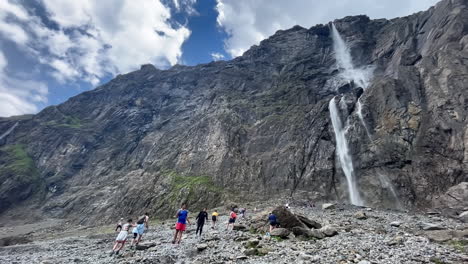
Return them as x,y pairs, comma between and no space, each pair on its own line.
262,251
239,238
280,232
395,224
360,215
250,252
144,246
397,240
201,247
328,230
430,226
253,243
464,217
239,227
327,206
439,235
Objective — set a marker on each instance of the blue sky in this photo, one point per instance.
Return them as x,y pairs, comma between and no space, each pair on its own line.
51,50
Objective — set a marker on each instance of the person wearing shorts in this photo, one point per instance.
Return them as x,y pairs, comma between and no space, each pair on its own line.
135,236
214,218
121,237
142,225
232,220
182,220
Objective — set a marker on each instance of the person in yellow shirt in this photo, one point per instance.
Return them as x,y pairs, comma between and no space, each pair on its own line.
214,219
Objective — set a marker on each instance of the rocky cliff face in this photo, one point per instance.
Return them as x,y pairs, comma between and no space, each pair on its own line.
256,126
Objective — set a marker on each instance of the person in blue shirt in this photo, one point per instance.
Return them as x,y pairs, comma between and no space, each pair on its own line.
273,221
182,219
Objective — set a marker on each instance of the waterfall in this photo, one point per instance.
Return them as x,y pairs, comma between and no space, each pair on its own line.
343,153
385,181
8,131
361,118
361,77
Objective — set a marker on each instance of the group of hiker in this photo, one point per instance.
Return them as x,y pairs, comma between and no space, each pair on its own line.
139,228
182,220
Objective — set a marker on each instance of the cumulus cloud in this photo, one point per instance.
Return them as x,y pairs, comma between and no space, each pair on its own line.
217,56
248,22
94,39
19,96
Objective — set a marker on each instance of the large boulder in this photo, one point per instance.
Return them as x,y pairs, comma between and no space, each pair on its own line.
307,233
288,220
309,223
280,232
454,199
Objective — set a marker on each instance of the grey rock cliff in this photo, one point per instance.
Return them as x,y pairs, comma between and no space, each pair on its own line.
256,126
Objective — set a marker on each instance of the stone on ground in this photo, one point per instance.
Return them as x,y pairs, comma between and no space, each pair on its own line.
360,215
327,206
280,232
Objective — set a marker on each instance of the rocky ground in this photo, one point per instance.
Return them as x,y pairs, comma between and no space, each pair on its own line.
364,236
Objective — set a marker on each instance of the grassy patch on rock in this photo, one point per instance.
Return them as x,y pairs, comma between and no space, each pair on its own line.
197,191
461,245
67,121
17,163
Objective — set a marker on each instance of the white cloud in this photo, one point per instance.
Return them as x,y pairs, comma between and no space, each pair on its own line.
217,56
248,22
96,38
19,96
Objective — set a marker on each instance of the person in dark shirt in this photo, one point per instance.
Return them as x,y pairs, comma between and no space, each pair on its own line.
273,221
202,216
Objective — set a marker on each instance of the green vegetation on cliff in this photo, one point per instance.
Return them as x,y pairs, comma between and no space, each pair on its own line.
67,121
18,163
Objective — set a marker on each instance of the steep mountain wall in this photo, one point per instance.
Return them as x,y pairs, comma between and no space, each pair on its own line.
256,127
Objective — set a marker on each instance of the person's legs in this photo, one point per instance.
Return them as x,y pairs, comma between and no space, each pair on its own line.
201,228
198,228
180,236
121,245
175,236
115,246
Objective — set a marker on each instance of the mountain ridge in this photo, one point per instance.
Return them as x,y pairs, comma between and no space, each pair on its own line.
257,126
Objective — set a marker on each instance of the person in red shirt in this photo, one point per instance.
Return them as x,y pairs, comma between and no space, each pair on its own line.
232,219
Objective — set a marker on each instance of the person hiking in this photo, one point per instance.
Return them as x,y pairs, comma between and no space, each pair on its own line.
242,212
182,219
273,221
121,237
135,236
201,217
119,225
142,224
232,219
214,219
